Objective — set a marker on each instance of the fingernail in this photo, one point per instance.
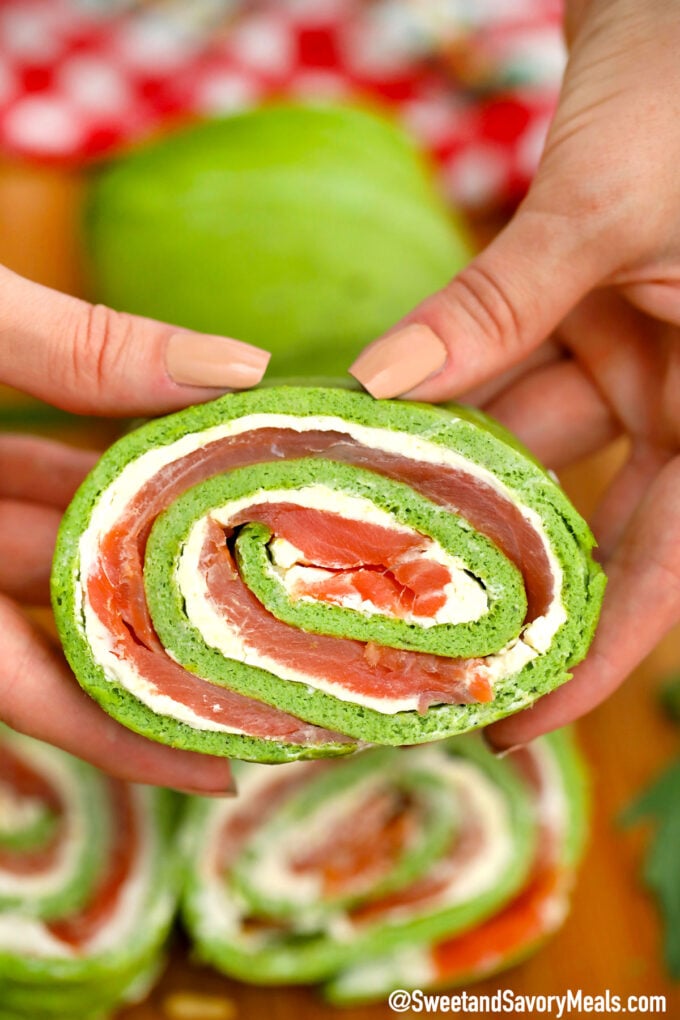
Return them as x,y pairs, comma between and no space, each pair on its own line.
196,792
217,794
193,359
500,752
229,789
397,363
504,752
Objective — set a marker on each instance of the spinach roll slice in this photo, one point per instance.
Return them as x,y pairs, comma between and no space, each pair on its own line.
293,572
319,865
397,868
555,775
88,883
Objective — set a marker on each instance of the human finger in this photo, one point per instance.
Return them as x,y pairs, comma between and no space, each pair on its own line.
625,492
42,470
39,696
91,359
28,532
641,604
557,412
620,349
490,316
482,395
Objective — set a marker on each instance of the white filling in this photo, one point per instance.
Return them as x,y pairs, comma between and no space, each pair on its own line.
271,874
411,966
17,813
123,923
536,638
59,774
29,936
221,911
219,907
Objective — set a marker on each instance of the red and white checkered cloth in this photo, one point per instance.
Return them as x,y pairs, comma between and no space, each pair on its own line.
475,83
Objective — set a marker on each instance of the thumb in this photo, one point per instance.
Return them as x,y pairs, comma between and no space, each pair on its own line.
491,315
92,360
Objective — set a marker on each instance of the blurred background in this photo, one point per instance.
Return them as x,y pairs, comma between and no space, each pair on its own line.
263,169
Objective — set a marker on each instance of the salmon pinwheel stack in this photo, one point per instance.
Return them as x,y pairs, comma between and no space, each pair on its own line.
292,572
397,868
88,885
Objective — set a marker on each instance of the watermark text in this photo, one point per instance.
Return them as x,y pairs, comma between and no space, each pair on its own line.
505,1000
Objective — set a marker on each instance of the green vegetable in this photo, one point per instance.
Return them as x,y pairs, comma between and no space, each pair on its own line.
661,872
306,230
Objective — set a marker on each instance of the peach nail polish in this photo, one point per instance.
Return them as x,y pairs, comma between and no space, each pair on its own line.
506,751
215,794
397,363
229,789
500,752
194,359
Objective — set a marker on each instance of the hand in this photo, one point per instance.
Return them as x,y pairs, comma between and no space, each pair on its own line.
86,359
591,260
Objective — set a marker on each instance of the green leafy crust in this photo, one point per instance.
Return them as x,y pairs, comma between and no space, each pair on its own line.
86,1000
69,1000
290,956
453,428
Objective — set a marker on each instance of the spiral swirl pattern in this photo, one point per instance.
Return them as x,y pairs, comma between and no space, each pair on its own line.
290,572
397,868
88,883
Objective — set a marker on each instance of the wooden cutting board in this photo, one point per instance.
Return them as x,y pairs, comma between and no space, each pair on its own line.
612,939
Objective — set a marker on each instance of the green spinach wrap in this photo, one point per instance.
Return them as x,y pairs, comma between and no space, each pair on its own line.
291,572
88,884
395,868
555,775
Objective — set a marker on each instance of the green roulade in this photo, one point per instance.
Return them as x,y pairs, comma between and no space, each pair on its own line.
290,572
396,868
88,884
317,865
555,775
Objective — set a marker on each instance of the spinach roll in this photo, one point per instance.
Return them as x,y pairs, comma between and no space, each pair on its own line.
394,868
555,775
293,572
88,884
